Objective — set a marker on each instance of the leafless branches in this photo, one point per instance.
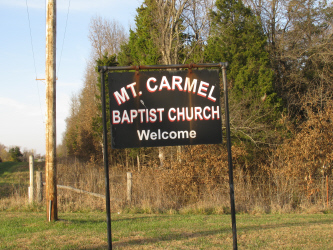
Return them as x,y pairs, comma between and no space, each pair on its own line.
105,36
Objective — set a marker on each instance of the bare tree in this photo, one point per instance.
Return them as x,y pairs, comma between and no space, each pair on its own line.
169,41
105,36
4,156
174,19
170,28
197,27
299,36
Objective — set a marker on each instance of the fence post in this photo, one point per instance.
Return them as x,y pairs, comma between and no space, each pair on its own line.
129,187
39,182
31,187
327,191
138,161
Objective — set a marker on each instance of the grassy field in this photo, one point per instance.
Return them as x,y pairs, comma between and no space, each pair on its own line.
14,177
24,226
30,230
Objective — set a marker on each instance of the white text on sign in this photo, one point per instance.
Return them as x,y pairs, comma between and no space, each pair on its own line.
173,115
204,89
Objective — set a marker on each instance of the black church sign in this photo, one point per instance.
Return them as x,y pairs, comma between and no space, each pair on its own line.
165,108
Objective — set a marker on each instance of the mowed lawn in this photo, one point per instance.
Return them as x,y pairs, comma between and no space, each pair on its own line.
30,230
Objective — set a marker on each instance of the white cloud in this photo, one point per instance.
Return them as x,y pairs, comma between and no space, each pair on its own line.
88,5
21,124
20,109
11,103
35,4
73,84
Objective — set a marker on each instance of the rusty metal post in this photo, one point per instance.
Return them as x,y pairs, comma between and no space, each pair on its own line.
106,159
50,71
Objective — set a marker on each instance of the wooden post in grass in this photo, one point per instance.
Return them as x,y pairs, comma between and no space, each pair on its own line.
31,171
39,182
129,187
138,161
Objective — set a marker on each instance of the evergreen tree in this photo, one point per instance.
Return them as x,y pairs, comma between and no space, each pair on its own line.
15,154
237,38
159,36
141,48
71,136
97,122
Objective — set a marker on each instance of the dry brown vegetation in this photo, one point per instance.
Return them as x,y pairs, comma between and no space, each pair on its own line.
292,176
294,180
199,183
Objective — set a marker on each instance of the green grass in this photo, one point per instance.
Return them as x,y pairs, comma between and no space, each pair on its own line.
21,230
8,169
13,177
23,227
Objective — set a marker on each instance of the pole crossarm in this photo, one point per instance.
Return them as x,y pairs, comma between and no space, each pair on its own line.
103,69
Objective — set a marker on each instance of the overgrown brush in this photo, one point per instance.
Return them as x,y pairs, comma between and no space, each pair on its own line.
196,183
174,189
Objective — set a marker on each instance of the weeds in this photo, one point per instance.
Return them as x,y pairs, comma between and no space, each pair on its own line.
171,190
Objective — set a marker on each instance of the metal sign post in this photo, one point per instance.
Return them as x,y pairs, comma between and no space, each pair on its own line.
106,161
170,108
231,176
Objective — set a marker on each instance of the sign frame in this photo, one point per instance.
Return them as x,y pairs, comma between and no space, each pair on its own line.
222,66
164,108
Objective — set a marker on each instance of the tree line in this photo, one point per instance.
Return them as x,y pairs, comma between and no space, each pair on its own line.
14,153
280,79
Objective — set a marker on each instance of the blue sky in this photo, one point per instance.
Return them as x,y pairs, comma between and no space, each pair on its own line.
22,98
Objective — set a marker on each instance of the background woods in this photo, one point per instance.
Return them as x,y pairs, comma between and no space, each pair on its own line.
280,79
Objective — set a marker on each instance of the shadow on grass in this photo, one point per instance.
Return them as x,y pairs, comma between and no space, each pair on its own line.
134,219
137,241
169,237
104,246
281,225
186,235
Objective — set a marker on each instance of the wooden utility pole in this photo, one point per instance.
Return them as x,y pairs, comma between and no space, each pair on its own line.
50,71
